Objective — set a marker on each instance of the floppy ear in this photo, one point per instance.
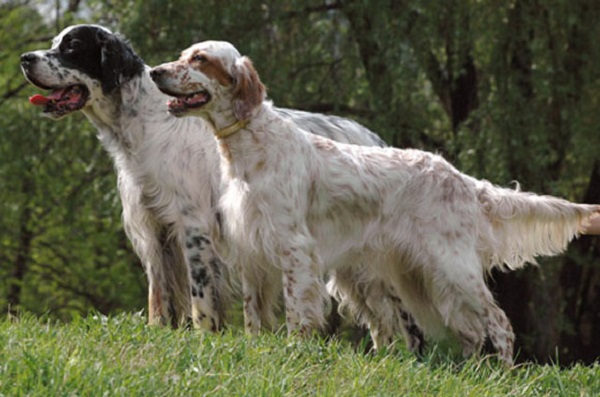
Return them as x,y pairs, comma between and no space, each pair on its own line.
117,62
248,92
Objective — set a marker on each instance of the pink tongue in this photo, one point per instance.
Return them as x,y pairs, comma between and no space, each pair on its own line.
38,100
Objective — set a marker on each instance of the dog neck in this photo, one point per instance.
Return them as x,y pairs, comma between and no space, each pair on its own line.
123,120
231,129
243,153
223,120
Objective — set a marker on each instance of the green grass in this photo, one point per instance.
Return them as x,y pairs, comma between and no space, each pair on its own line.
121,356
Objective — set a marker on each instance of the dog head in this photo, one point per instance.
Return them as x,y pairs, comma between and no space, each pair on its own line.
210,76
85,63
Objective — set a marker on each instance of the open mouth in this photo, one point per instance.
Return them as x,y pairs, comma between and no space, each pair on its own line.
62,101
182,103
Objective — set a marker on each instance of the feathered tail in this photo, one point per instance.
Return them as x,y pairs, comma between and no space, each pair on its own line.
517,226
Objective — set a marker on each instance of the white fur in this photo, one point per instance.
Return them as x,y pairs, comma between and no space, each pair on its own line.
168,176
389,224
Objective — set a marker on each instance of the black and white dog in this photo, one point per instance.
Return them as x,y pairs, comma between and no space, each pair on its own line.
168,167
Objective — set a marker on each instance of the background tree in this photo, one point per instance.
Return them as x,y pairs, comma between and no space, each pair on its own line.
62,248
505,90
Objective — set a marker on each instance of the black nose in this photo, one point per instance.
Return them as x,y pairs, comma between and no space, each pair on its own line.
156,73
28,57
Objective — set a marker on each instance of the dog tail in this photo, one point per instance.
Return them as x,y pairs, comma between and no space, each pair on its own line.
518,226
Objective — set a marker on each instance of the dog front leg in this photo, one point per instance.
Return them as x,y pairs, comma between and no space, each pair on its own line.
149,250
206,277
252,303
157,310
303,290
261,286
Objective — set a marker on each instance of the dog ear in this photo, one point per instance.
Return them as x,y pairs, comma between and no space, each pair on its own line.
248,92
118,61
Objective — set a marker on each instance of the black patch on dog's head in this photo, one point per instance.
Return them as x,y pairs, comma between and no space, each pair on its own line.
102,55
118,60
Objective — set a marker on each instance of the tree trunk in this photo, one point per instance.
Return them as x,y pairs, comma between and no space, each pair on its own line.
580,280
371,52
455,79
17,275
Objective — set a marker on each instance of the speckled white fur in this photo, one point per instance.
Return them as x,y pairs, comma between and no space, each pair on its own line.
387,223
168,173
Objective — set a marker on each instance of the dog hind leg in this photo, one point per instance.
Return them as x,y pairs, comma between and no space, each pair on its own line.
458,291
375,306
500,331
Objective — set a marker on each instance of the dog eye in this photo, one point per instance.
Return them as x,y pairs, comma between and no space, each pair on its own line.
72,45
198,58
76,44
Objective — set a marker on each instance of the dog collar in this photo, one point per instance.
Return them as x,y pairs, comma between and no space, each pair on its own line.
232,129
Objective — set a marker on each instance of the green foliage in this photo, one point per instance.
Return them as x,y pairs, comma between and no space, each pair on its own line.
59,209
505,90
119,355
58,186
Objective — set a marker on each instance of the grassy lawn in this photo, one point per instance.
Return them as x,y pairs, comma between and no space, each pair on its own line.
121,356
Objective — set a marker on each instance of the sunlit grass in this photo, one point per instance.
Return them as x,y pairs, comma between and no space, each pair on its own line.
96,356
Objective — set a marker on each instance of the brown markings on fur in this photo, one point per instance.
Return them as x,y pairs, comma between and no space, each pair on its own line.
225,150
449,189
248,302
485,202
311,295
466,225
181,68
155,307
210,66
324,144
249,92
259,166
451,235
291,281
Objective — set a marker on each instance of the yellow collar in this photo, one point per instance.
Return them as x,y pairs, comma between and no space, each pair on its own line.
232,129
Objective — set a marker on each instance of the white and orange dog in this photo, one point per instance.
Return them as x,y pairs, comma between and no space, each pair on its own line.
391,226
